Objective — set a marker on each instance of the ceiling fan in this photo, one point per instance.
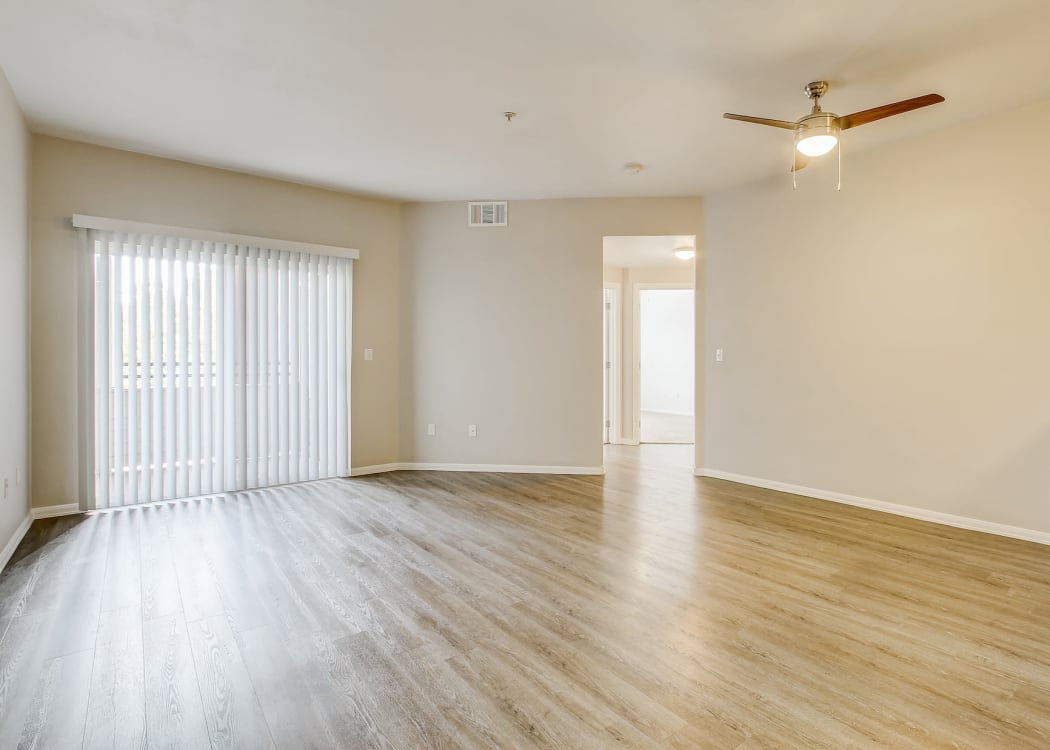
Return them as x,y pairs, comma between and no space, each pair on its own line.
818,132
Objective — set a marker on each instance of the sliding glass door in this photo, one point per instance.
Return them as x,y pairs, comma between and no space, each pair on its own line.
217,367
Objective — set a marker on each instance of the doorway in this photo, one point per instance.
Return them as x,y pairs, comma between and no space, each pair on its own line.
633,265
666,363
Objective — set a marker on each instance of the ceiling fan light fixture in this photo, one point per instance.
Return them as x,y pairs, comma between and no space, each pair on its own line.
817,134
816,145
684,253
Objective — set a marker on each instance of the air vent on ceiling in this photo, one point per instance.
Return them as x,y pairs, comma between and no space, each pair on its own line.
487,214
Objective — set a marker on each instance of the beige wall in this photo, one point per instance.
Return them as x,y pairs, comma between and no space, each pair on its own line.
891,341
73,177
14,308
628,278
502,327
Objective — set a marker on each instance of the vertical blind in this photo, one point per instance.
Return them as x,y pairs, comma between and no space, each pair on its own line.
217,366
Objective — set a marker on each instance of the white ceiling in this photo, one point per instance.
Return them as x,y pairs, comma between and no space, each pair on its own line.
646,252
404,98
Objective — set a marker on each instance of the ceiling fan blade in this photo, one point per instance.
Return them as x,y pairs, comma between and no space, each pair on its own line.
762,121
801,161
888,110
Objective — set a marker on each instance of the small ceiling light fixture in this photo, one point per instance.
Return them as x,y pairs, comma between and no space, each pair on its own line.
633,168
684,253
510,115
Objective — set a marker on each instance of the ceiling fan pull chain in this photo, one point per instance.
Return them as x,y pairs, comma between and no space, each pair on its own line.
839,188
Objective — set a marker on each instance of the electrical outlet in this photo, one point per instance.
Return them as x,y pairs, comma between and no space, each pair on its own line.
432,429
472,430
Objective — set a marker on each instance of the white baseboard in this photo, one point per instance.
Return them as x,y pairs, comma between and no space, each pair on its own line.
12,543
53,511
490,468
360,471
922,514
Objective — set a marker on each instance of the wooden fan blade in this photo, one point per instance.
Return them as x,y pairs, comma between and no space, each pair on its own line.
801,160
762,121
888,110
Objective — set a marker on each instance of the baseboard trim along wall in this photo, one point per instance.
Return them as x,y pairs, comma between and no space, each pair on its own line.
12,543
922,514
53,511
359,471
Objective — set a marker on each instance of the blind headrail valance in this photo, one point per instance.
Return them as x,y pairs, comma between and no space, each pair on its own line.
80,221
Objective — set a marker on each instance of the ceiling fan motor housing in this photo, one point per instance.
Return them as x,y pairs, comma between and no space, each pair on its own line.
818,123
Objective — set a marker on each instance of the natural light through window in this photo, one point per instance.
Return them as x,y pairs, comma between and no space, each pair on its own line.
218,367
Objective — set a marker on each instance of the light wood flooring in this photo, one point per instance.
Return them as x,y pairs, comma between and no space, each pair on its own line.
643,609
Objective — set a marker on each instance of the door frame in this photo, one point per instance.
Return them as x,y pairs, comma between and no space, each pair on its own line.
615,359
636,348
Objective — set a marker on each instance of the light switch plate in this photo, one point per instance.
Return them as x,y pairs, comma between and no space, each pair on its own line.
432,429
368,355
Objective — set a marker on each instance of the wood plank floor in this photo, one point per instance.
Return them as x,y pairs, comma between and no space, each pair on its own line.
643,609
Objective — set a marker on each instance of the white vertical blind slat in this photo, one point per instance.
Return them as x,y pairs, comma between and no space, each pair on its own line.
170,434
283,362
341,317
225,453
331,404
292,390
272,339
117,349
156,389
263,399
192,457
235,330
218,367
179,458
322,367
130,365
141,376
313,405
303,368
103,326
206,343
251,366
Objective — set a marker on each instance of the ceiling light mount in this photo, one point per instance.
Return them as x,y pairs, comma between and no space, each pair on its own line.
816,89
633,168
